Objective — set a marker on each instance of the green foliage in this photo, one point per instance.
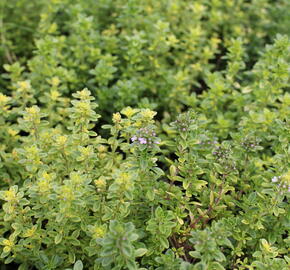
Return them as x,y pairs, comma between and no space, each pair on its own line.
18,23
145,53
117,247
175,153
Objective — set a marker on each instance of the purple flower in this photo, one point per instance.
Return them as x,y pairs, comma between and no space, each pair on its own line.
275,179
142,140
145,136
134,138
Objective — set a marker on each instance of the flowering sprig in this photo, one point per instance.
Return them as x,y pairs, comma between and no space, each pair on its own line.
283,185
275,179
209,142
223,155
185,122
145,136
251,144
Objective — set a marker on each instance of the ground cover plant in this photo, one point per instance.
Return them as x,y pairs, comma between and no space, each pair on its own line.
145,135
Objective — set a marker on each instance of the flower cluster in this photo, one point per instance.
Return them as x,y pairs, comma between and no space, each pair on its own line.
221,153
223,156
185,122
281,185
209,142
145,136
250,143
275,179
